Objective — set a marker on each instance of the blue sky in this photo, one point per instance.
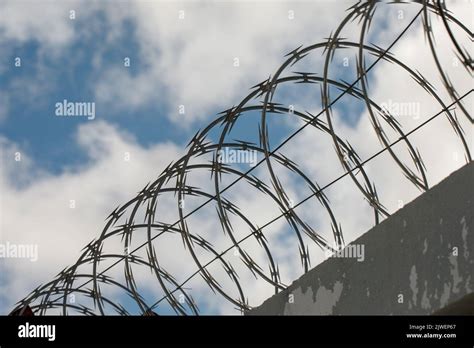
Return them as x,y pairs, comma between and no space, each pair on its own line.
55,67
175,62
71,76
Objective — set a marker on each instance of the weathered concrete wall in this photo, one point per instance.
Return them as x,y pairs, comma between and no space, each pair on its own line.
417,261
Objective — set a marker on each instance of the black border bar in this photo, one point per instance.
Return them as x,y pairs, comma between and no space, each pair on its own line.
222,330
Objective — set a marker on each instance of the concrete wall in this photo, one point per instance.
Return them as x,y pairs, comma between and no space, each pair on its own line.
417,261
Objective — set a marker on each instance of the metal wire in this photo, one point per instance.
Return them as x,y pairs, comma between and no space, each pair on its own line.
55,296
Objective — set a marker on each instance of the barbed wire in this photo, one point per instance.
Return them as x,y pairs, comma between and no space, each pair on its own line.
203,155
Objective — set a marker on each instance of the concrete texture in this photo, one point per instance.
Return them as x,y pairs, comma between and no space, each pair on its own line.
418,261
464,306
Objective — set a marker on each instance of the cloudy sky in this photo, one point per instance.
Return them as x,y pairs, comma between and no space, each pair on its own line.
157,72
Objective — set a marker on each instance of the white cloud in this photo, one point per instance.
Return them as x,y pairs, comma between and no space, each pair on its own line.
22,21
187,61
38,211
439,146
190,61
